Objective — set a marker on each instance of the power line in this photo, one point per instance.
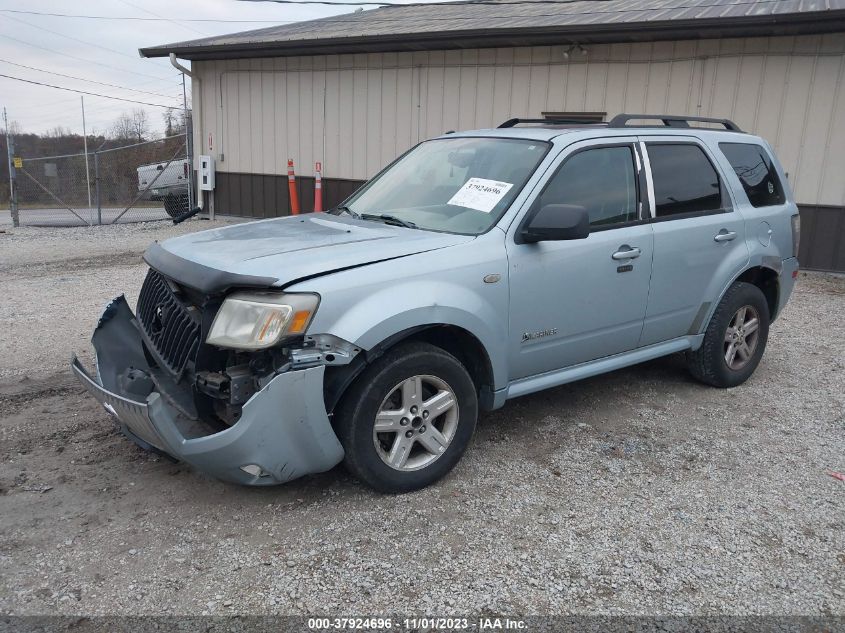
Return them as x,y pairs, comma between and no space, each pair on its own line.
349,3
387,3
129,4
75,39
84,92
37,109
142,19
82,59
496,3
98,116
105,111
374,15
100,83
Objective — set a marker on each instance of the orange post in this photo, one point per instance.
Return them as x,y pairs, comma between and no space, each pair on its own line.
318,187
294,196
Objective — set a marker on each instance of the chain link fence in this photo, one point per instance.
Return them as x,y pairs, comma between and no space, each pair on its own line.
142,182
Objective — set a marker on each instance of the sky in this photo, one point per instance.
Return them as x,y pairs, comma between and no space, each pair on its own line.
106,51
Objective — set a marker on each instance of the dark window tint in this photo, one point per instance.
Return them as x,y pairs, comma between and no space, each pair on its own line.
684,180
602,180
754,167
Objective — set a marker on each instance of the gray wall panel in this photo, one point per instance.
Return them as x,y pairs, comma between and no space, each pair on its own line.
355,113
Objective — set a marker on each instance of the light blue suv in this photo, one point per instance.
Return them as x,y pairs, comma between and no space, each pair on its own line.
477,267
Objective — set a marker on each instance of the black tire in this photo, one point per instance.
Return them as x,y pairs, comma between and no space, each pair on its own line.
355,417
709,364
175,205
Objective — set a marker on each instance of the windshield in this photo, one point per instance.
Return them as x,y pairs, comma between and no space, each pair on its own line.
457,185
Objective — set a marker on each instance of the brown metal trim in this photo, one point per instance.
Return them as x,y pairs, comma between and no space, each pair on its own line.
266,195
822,238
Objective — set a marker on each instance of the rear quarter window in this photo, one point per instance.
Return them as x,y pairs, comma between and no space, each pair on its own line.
754,168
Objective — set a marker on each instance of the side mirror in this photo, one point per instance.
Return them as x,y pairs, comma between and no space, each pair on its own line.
557,222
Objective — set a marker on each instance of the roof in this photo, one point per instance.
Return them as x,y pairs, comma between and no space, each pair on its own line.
489,23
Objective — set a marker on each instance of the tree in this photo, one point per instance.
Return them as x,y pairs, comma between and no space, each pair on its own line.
184,121
122,128
174,121
58,132
132,127
140,124
169,117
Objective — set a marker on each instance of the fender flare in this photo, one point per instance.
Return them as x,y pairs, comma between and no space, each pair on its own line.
339,379
768,262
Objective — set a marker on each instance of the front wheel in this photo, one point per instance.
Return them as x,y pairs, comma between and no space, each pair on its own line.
735,338
408,418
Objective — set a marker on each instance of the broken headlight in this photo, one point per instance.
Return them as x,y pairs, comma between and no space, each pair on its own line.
258,320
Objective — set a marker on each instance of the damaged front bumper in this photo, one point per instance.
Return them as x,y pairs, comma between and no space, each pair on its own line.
283,432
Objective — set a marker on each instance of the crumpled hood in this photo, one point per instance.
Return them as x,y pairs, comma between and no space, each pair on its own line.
296,247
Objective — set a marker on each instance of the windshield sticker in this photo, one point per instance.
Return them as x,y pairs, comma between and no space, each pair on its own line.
480,194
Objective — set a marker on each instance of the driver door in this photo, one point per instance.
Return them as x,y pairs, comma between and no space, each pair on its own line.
574,301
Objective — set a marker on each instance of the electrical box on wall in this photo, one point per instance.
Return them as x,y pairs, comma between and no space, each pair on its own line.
206,173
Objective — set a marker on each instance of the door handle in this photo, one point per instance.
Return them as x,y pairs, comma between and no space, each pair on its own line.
725,236
626,252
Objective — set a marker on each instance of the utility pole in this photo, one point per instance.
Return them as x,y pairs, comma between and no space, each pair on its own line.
13,192
97,182
188,152
85,144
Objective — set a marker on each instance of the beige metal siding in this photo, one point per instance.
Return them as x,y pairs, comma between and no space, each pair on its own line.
356,113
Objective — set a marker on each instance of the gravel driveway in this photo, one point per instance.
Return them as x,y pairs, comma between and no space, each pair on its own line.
637,492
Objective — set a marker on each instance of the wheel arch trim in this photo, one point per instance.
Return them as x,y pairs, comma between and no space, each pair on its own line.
773,264
427,332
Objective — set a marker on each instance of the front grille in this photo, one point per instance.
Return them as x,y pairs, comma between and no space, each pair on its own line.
170,328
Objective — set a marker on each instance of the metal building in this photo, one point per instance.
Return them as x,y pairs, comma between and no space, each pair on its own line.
354,91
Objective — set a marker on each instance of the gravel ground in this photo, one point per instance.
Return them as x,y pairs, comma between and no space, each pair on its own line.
58,280
638,492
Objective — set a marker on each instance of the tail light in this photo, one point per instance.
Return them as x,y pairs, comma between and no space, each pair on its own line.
796,234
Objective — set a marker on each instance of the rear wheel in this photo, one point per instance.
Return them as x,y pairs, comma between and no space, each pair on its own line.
735,338
407,420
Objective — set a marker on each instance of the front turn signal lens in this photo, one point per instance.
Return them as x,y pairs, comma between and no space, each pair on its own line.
299,322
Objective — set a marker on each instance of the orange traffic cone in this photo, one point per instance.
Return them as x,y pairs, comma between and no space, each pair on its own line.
318,187
294,196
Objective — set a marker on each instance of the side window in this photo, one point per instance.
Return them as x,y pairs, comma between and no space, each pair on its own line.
602,180
685,180
754,167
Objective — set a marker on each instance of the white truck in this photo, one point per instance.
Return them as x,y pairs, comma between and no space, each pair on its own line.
167,183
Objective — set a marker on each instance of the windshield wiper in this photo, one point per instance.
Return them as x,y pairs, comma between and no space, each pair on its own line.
389,219
348,211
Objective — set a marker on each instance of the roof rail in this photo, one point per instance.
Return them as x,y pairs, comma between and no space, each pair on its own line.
515,122
671,120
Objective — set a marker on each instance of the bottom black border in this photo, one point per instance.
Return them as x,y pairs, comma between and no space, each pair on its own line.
525,624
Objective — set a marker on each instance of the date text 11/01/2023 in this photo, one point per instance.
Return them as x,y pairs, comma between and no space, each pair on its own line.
417,623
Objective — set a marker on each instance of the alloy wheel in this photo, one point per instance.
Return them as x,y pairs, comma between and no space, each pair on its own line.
415,423
741,337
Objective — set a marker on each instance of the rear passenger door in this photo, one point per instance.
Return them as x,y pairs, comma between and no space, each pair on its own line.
699,236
